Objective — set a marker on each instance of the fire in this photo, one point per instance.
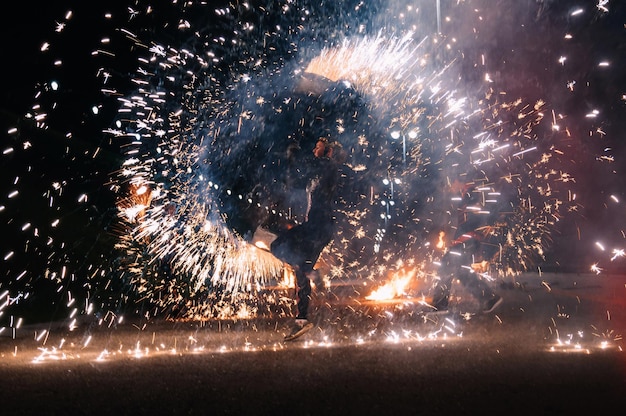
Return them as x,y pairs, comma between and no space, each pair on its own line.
288,277
394,288
441,243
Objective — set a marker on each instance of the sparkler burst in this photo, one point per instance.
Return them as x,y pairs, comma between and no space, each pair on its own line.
195,115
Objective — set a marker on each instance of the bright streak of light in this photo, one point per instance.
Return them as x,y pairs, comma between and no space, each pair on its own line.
617,253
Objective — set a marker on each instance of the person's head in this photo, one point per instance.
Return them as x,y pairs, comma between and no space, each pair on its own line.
320,147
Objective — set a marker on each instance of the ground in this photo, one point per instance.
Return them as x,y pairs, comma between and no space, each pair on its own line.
554,347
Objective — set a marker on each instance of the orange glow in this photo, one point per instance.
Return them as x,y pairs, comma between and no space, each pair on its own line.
441,243
289,277
262,245
323,65
135,204
481,267
394,288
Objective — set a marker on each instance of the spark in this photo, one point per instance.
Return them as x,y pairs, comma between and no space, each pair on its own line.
195,105
602,5
596,269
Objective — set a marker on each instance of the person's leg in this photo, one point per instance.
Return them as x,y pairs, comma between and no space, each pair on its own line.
480,290
441,289
303,285
455,264
301,324
476,286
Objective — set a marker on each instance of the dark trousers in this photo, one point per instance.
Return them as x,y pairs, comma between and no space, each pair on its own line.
300,247
303,287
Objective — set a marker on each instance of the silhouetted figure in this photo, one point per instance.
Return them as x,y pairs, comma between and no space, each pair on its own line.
461,259
300,246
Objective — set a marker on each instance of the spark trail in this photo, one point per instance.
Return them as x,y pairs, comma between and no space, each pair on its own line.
199,105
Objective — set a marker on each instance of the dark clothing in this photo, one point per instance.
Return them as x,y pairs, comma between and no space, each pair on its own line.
466,249
457,263
301,245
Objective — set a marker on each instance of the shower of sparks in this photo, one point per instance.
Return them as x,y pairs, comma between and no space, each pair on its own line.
196,106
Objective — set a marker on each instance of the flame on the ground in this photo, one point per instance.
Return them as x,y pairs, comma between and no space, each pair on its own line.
441,242
395,287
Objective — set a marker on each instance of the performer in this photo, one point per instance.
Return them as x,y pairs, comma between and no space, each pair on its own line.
300,246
